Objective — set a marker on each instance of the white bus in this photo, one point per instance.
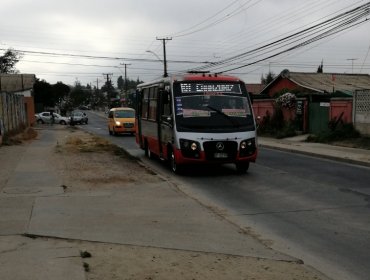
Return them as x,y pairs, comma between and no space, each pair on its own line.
196,119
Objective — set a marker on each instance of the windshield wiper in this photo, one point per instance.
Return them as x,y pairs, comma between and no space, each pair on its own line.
230,119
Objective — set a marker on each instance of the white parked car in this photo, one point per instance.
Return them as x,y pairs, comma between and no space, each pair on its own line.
45,117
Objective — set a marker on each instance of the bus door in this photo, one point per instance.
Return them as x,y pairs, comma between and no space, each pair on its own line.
165,125
138,103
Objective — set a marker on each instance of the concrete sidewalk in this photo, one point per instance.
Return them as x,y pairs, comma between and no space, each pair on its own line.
298,145
22,257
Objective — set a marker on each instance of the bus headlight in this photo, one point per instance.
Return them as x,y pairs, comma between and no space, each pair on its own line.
118,123
194,146
247,147
190,148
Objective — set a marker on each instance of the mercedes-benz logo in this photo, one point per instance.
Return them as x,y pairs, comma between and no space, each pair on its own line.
220,146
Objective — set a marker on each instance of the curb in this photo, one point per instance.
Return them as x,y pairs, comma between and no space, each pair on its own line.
313,154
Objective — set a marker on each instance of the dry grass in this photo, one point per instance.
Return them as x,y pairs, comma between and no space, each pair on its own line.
28,134
89,144
88,162
94,144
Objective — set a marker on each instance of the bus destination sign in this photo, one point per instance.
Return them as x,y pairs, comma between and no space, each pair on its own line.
210,88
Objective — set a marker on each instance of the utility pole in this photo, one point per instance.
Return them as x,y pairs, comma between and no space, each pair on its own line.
126,85
165,74
108,87
107,75
125,64
352,59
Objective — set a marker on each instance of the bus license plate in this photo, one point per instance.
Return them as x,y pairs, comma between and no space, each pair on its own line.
220,155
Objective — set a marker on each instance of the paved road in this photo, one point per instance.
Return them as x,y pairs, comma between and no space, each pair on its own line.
313,209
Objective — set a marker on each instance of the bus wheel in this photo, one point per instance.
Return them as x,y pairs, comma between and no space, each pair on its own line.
242,168
148,153
173,165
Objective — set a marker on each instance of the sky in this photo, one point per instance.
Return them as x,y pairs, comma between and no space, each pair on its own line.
87,41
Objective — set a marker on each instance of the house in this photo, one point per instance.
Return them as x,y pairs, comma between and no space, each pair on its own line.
254,88
321,97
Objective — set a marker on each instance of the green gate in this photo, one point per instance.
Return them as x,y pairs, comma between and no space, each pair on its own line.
318,117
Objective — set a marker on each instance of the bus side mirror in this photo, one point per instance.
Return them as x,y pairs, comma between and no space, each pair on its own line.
165,97
167,120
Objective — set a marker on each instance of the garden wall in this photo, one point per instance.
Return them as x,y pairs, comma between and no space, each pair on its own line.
13,115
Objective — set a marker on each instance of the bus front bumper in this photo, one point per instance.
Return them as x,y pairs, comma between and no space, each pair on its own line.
215,159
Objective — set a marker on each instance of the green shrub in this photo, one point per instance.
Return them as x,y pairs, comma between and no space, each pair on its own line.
339,133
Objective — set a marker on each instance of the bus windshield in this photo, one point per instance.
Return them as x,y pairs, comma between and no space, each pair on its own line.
218,106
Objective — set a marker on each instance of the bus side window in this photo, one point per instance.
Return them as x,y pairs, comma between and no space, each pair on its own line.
145,103
153,103
166,101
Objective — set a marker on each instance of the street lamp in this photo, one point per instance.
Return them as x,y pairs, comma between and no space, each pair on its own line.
153,53
163,61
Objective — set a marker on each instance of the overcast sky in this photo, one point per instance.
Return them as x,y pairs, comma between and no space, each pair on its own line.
81,40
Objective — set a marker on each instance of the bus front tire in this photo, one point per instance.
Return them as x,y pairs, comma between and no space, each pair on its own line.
242,168
173,165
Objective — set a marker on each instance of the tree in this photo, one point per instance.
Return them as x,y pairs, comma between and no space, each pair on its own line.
268,79
8,61
109,89
120,83
320,69
79,95
43,93
47,95
98,99
60,91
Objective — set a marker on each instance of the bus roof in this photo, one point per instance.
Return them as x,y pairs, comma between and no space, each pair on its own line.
193,77
209,77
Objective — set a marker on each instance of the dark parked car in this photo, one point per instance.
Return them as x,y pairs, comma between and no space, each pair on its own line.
78,117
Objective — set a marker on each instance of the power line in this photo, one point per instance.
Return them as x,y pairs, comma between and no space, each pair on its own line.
103,57
297,40
229,15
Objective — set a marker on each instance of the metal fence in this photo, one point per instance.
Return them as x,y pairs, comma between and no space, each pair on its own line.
361,111
13,115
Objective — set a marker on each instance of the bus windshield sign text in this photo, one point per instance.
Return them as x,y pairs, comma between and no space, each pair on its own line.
209,88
